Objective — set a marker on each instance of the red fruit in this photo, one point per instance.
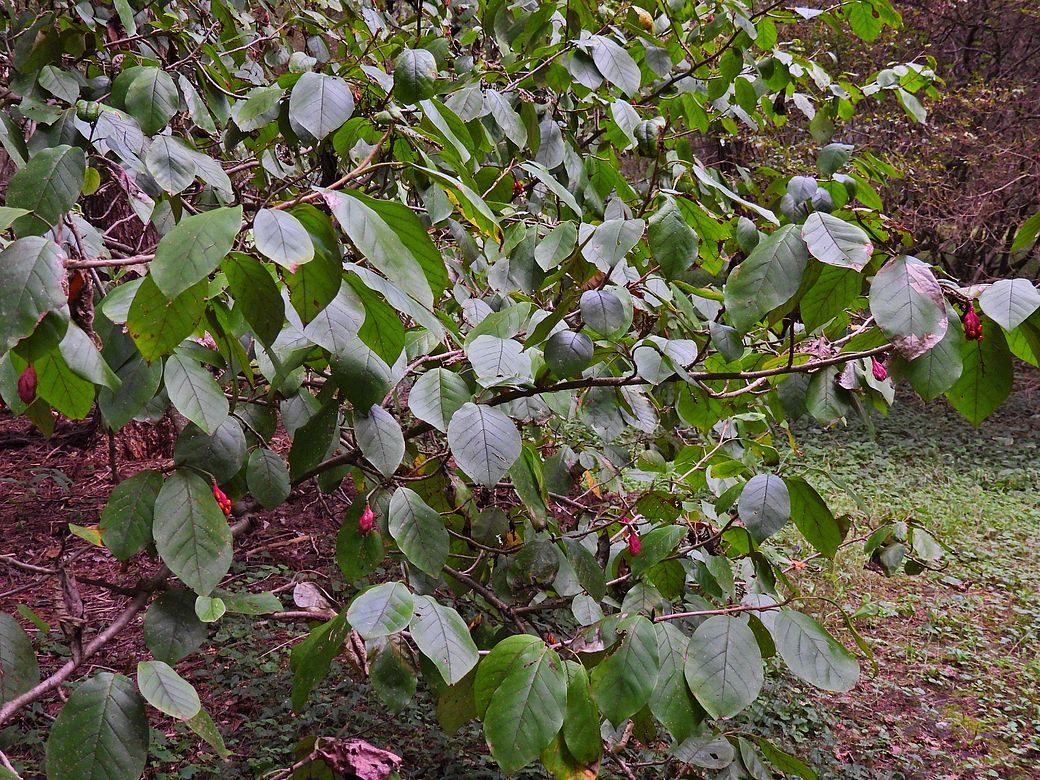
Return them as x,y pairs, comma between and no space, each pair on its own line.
972,324
634,545
222,501
550,639
711,18
880,372
367,521
27,386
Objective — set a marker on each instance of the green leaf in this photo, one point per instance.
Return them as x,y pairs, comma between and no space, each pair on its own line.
382,329
170,164
671,702
834,241
191,533
581,732
259,108
449,127
126,522
498,361
616,64
167,691
152,99
833,291
441,635
382,610
672,240
282,238
602,311
172,630
813,654
393,678
194,392
1026,235
568,353
380,438
31,274
724,666
203,725
783,761
764,505
252,604
506,117
157,324
557,246
415,71
101,732
907,303
210,609
194,249
311,659
833,157
320,104
527,707
82,357
8,215
608,244
813,517
391,248
1010,302
768,278
418,531
986,377
267,478
936,371
656,546
484,442
47,186
220,454
19,670
437,395
256,295
357,554
624,682
61,388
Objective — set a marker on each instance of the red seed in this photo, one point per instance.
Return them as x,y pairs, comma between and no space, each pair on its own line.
972,324
27,385
634,545
367,521
880,372
222,501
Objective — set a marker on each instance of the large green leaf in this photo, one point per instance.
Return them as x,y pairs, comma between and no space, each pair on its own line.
568,353
259,108
101,732
281,237
936,371
813,654
908,305
194,392
19,670
392,677
672,240
581,731
834,241
671,702
380,438
986,376
833,291
764,505
126,522
767,279
527,708
442,636
484,441
158,324
437,395
256,296
191,533
47,186
267,477
504,657
220,454
624,682
194,248
31,272
392,248
616,64
607,245
1010,302
419,531
415,71
724,666
813,517
602,311
152,99
62,388
172,630
167,691
358,554
311,658
382,610
320,104
170,163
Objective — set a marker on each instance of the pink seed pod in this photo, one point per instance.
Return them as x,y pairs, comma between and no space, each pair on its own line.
879,370
634,545
27,386
972,324
367,521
